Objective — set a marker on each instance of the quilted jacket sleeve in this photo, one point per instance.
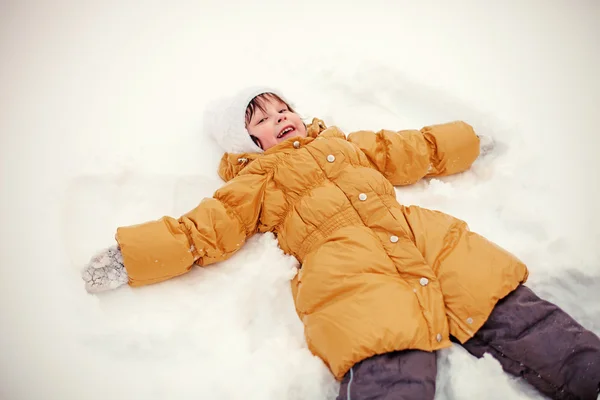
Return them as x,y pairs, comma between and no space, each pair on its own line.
405,157
159,250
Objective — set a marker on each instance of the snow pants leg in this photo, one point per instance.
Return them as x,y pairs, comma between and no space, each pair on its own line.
537,340
401,375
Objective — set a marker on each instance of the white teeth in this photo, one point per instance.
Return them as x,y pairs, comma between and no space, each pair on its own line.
283,132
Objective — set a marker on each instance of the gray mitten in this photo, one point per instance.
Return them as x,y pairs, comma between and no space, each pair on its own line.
486,144
105,271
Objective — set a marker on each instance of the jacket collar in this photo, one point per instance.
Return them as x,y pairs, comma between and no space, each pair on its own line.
232,163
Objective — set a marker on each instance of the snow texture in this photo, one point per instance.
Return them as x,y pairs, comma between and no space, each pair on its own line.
100,114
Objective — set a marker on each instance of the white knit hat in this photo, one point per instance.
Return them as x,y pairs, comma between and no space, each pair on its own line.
224,120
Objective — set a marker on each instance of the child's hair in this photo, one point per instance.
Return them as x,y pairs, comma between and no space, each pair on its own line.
259,103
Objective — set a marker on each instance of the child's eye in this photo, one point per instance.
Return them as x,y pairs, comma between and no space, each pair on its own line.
283,110
262,120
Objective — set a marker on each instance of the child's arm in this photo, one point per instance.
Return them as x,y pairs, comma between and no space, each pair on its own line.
405,157
213,231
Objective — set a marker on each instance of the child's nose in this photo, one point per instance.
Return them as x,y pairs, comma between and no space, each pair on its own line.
281,118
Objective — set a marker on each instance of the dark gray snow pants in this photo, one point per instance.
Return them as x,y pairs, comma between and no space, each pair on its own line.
530,337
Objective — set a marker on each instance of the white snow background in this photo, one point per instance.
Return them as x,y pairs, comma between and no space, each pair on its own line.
100,123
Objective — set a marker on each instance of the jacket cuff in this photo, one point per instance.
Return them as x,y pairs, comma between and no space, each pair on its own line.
455,147
155,251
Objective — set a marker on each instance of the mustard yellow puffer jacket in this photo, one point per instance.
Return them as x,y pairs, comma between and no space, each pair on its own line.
376,276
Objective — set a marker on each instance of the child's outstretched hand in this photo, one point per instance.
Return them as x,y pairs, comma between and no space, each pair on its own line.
105,271
486,145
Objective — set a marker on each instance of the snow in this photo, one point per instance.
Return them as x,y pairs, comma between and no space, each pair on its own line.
100,109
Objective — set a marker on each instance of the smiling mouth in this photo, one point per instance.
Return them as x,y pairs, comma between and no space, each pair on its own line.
285,131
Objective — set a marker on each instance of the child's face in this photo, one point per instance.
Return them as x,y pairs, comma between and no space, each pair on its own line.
276,124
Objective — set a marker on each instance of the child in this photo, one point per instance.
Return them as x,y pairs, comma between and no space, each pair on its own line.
381,285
